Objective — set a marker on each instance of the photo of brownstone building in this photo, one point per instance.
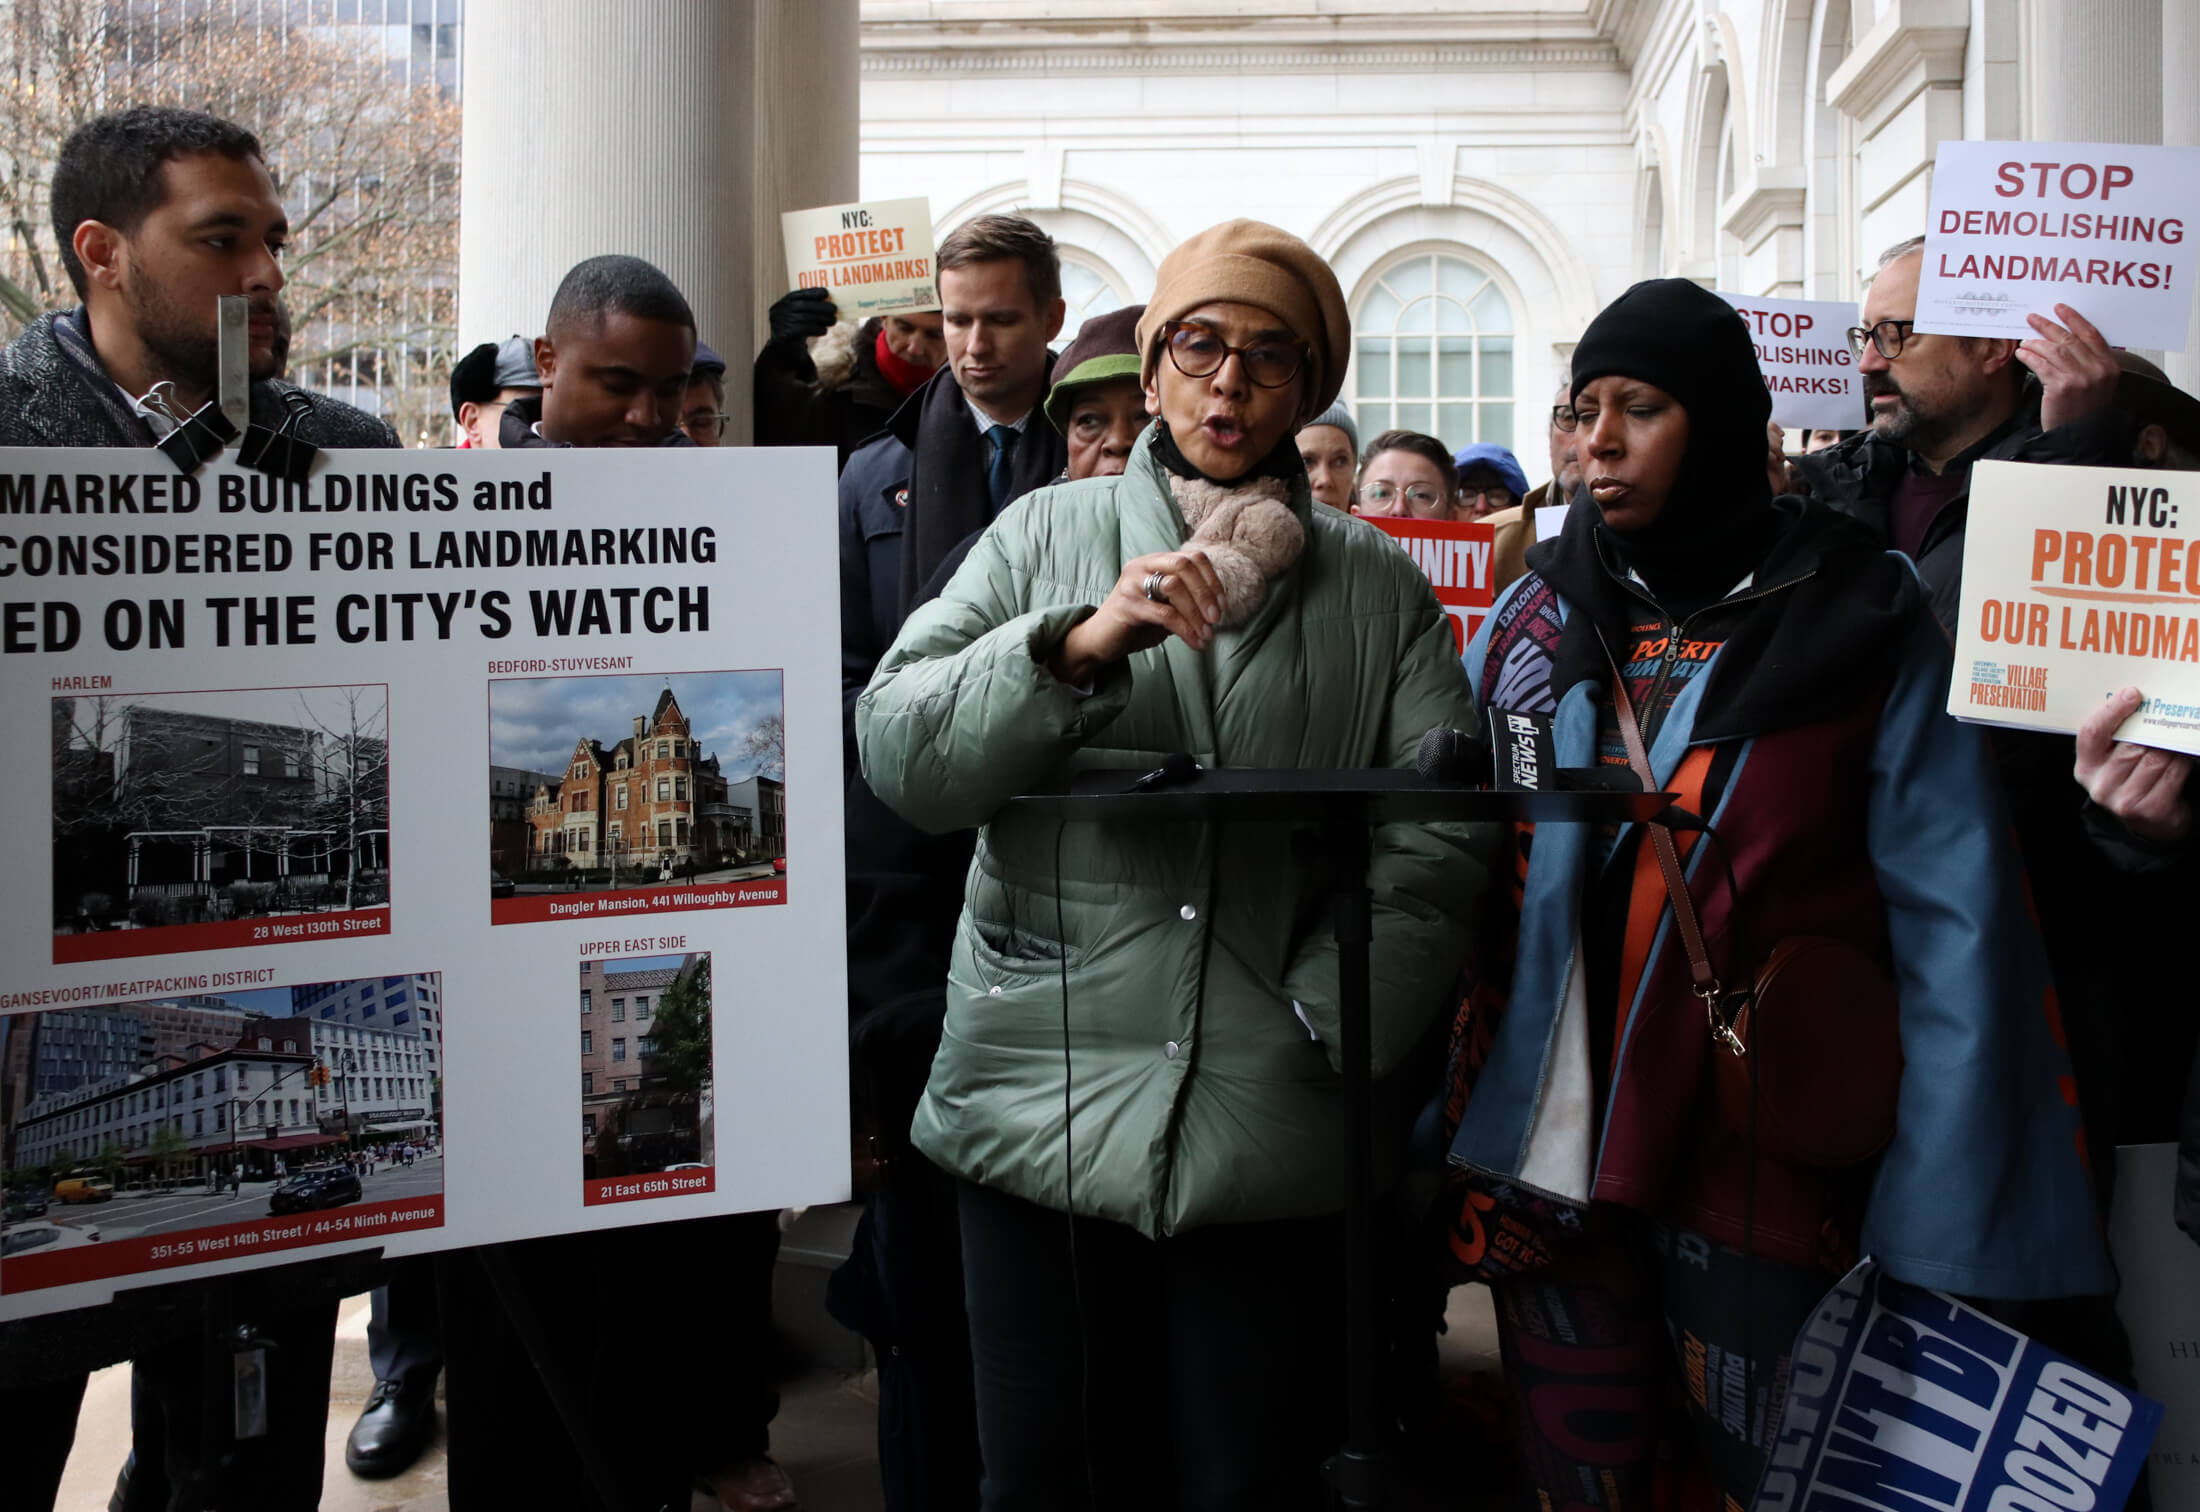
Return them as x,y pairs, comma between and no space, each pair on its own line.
661,801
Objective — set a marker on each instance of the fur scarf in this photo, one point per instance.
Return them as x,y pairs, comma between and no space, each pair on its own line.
1246,530
834,354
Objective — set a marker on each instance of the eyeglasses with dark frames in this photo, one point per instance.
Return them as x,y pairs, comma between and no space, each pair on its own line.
710,424
1889,336
1563,417
1197,352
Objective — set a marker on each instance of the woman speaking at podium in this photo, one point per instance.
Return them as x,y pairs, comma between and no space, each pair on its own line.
1137,1084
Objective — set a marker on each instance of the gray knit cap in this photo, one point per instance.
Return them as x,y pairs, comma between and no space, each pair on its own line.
1341,418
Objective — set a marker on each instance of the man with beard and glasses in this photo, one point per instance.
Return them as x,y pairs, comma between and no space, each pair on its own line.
158,213
1939,404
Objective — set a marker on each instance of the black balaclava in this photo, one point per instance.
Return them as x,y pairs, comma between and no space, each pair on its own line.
1718,522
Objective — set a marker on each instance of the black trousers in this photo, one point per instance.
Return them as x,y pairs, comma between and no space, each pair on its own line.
405,1327
170,1409
608,1370
1201,1372
902,1289
41,1423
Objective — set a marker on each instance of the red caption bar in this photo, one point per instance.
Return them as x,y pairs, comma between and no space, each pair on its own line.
597,1190
229,934
636,900
151,1252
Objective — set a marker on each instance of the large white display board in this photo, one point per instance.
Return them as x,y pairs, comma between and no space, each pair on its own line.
441,851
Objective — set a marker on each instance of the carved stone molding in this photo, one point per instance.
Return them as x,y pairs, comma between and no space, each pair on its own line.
1056,62
1915,45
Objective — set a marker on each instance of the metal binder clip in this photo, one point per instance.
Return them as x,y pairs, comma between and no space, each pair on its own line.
281,453
197,436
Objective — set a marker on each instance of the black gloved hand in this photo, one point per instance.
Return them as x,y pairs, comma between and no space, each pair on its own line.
800,314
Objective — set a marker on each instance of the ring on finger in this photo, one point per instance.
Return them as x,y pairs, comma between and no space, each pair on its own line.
1154,581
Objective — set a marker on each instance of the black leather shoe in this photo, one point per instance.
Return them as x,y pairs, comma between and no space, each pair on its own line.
392,1432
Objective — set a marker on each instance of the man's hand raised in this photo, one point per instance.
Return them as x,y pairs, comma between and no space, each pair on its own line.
800,314
2076,367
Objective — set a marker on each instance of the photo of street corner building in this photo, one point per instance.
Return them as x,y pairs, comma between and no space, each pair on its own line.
645,1065
179,809
207,1109
603,783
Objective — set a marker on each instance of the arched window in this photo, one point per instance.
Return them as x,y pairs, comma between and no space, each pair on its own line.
1435,353
1086,291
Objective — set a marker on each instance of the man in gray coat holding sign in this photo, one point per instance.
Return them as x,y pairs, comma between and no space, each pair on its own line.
159,213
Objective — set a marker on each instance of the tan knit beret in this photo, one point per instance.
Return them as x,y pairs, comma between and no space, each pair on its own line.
1250,263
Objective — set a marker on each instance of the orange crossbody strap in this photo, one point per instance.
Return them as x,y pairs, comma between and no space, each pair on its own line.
1700,974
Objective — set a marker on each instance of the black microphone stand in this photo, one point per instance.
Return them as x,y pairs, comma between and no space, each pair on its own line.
1343,807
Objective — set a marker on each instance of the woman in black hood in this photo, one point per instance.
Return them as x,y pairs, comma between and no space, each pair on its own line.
1790,686
1665,368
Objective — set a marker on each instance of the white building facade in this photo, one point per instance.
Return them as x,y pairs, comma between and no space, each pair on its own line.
408,1006
246,1100
1484,178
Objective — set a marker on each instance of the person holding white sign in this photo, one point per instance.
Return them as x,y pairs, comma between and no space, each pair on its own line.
1940,403
823,381
616,356
1173,989
160,213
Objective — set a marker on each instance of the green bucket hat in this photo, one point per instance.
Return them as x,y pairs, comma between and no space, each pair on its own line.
1106,347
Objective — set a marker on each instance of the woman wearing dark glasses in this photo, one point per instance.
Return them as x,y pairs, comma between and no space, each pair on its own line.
1137,1082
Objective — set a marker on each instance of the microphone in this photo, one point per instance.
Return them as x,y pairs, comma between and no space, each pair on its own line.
1179,768
1454,756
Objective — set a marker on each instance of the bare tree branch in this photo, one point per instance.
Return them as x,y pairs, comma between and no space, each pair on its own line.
368,167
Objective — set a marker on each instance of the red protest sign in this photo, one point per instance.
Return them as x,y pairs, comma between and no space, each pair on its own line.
1456,558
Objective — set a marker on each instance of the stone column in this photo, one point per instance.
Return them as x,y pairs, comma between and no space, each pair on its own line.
2097,70
808,112
595,128
2181,128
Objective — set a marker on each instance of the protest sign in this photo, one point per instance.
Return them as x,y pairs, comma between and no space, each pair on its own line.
2159,1303
1803,352
2017,227
2079,582
411,869
1901,1399
1456,558
875,258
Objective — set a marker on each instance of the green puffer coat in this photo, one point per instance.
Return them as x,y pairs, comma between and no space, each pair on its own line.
1200,1095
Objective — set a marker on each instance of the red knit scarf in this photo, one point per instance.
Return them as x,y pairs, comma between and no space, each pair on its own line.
906,377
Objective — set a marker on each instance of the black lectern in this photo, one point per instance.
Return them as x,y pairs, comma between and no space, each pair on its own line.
1342,806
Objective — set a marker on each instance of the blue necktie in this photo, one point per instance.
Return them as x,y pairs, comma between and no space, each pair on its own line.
996,471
